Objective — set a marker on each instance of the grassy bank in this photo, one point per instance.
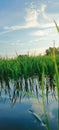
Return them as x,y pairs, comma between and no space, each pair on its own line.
26,66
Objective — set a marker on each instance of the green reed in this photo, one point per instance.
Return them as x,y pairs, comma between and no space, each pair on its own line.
26,66
56,73
44,108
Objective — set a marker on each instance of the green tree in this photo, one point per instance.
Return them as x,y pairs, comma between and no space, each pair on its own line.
50,50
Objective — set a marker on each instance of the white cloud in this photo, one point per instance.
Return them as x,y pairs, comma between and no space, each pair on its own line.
46,32
42,11
34,14
15,27
4,32
31,17
28,25
32,20
40,33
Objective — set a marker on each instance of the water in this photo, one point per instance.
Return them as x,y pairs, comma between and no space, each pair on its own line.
21,106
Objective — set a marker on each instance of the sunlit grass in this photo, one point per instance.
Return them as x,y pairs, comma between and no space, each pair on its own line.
44,108
27,66
57,74
56,26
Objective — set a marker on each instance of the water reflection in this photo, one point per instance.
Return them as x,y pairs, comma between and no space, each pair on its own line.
18,89
25,97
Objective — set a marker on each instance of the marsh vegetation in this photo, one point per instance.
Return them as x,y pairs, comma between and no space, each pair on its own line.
27,66
29,92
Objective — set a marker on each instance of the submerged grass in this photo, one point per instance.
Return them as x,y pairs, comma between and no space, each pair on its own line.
44,108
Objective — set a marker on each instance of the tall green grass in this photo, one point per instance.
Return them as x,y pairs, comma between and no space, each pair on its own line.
57,75
27,66
56,26
44,108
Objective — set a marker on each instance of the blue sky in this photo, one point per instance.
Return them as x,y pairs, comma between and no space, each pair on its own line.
27,26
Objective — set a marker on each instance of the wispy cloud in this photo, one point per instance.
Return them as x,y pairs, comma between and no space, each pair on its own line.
46,32
32,20
4,32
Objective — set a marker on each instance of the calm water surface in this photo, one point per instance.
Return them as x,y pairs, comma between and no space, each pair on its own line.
21,106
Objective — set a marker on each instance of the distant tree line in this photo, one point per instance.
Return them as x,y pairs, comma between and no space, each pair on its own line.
51,49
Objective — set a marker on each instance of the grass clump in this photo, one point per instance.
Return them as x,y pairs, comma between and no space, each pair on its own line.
27,66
